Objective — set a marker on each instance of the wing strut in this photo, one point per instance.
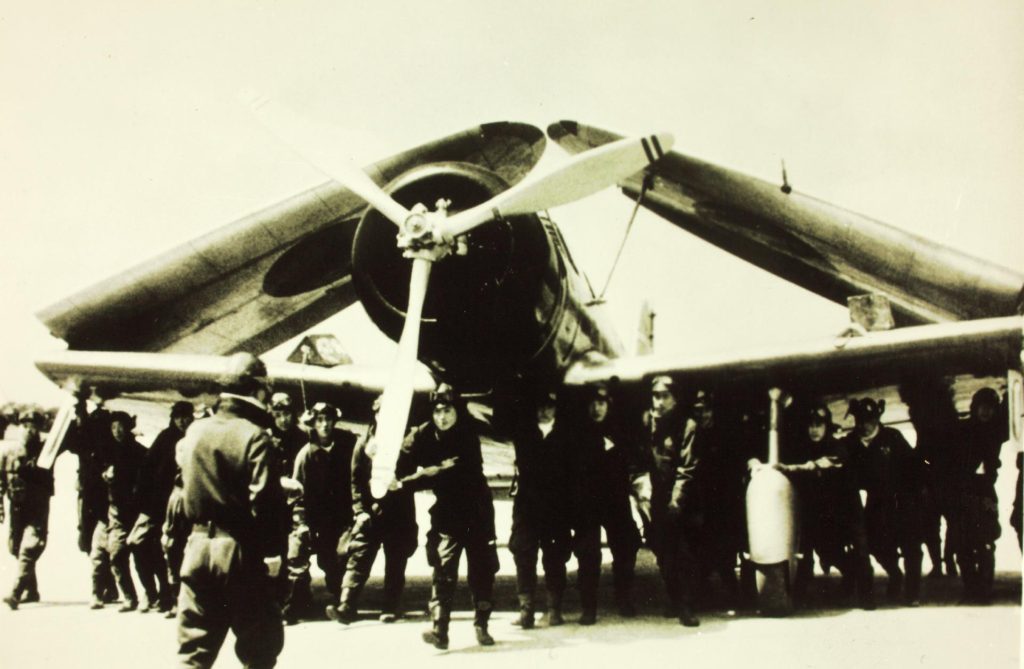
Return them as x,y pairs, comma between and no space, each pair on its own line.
647,183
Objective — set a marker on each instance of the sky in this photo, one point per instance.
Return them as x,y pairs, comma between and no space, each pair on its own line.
121,135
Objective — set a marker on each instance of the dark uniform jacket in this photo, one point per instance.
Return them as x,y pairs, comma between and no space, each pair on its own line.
27,486
974,470
156,480
125,461
600,471
674,461
288,445
230,478
326,478
449,463
396,509
89,440
540,486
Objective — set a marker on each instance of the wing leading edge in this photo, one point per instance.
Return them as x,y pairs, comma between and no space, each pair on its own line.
985,347
825,249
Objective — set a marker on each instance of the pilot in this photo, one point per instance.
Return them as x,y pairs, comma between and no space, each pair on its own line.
600,491
156,481
675,514
287,436
976,469
892,473
322,511
233,497
444,455
540,507
389,522
719,445
122,467
831,514
28,489
89,438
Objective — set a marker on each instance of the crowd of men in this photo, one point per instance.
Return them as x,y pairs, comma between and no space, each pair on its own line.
223,516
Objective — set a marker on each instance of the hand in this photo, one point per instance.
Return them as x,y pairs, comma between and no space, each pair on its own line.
449,462
273,565
362,518
394,485
754,465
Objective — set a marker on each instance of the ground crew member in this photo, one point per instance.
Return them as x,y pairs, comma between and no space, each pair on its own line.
389,522
675,516
28,489
892,473
123,464
975,471
600,492
234,499
287,436
444,455
540,507
156,481
322,511
89,439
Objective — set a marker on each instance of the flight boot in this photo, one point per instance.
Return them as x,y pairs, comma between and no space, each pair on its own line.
687,617
555,610
526,613
345,612
480,620
437,635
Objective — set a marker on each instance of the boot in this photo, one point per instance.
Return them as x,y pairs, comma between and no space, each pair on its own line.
687,618
624,603
437,636
480,620
589,616
11,600
526,613
345,612
555,610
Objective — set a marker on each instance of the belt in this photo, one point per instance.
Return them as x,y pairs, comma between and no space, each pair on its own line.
210,529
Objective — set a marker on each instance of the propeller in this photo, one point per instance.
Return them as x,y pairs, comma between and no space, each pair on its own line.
426,237
322,146
397,397
585,174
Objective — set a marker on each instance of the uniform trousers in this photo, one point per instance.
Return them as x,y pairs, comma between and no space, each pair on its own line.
223,588
623,541
362,544
444,551
533,536
26,542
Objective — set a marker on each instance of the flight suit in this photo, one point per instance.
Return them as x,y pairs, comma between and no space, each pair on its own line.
892,473
123,464
723,498
320,515
976,528
600,486
831,514
28,489
232,495
541,514
288,444
389,522
174,535
156,481
676,516
89,440
462,517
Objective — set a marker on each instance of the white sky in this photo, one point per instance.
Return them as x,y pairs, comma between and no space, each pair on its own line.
120,135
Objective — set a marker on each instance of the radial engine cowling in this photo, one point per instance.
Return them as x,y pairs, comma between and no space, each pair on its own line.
488,312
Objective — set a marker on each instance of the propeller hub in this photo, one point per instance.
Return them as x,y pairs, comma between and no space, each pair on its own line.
420,236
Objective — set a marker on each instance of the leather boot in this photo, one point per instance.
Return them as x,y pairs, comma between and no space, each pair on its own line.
555,610
525,619
480,620
437,635
345,612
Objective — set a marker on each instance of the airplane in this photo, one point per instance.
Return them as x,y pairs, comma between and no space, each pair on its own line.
484,291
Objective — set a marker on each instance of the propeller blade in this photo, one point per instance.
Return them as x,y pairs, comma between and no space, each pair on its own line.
584,174
394,405
319,144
